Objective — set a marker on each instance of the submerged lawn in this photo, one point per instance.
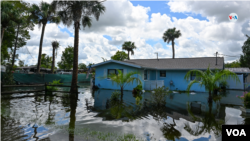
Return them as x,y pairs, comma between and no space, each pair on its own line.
89,117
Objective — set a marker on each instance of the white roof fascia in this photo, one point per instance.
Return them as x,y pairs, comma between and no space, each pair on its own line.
114,61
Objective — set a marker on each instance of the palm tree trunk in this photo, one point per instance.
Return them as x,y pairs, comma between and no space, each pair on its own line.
210,97
2,35
53,61
75,60
173,48
40,49
121,93
128,55
14,54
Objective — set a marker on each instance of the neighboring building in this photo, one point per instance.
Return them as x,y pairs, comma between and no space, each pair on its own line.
157,72
243,74
32,69
3,68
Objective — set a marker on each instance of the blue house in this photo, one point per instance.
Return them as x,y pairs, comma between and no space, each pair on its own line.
154,73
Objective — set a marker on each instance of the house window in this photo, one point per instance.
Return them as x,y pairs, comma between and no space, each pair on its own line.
113,71
162,73
193,76
145,75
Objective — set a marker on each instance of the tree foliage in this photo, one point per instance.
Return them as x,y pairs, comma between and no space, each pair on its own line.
129,46
170,35
234,64
46,61
210,78
82,66
67,58
120,56
245,58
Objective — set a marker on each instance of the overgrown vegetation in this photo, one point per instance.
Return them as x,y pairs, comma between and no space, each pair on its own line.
246,99
159,95
53,88
91,135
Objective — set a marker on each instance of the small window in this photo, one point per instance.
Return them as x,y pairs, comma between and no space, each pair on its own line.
193,77
145,75
162,73
113,71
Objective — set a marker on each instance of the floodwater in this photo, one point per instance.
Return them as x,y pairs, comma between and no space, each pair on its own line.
88,116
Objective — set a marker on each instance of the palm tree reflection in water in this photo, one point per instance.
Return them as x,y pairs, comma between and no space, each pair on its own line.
73,105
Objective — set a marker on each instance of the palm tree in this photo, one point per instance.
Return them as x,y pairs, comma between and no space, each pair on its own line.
43,14
78,11
9,15
129,46
170,35
55,46
210,79
123,80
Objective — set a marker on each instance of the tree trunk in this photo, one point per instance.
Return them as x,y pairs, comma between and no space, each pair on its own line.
14,54
121,93
173,48
53,61
40,49
75,60
210,100
2,36
128,55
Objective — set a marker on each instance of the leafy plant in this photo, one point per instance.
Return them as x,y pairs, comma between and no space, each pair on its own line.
137,91
159,95
53,88
246,99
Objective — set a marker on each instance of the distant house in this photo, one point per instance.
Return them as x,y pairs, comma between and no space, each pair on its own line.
244,76
32,69
157,72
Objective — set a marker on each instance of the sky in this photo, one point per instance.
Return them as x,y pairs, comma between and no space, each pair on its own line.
204,25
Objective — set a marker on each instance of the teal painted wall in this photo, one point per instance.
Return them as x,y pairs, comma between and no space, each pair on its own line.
107,84
177,76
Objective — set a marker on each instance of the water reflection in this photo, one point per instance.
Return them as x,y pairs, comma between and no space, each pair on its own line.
181,117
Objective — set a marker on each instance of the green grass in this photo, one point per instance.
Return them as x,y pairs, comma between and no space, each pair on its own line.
91,135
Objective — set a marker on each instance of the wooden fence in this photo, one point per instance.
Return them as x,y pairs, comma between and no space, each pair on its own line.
29,91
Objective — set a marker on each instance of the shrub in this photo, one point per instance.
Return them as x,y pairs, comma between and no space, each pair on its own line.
246,99
53,88
159,95
114,99
137,91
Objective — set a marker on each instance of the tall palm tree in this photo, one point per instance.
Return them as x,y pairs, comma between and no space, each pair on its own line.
129,46
9,15
55,46
43,14
78,12
170,35
210,79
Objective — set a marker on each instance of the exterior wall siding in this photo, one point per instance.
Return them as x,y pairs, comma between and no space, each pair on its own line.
107,84
177,76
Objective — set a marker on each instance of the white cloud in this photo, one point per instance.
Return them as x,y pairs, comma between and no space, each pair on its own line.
200,38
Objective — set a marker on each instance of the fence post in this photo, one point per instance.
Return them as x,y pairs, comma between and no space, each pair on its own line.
1,86
45,88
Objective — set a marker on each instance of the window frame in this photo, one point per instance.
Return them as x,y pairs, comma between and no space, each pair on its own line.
193,74
116,72
163,73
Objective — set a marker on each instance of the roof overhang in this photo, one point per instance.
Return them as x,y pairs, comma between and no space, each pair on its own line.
115,61
145,68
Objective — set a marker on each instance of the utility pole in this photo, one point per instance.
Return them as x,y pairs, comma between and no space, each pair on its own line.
216,57
157,54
